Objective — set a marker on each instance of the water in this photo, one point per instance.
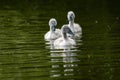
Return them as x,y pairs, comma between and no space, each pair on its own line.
25,55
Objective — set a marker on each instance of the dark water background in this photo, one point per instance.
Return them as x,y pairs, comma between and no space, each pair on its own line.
25,55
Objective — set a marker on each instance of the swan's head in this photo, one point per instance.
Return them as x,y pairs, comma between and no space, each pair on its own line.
52,24
70,16
65,29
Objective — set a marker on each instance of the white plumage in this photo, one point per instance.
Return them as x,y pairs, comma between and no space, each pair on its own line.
53,33
76,29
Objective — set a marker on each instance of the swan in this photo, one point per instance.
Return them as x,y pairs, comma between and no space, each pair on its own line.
53,33
76,29
64,41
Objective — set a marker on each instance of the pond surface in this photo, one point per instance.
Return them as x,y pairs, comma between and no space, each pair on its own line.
25,55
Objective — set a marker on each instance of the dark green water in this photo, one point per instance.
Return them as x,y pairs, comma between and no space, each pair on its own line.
25,55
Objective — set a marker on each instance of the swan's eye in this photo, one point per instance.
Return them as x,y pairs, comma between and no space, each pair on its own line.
71,14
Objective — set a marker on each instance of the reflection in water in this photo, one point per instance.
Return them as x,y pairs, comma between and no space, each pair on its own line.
63,63
50,44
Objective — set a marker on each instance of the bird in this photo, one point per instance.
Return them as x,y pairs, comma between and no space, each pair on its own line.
76,28
64,40
53,33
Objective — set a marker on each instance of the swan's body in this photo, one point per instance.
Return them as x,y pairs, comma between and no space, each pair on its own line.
53,33
76,29
64,41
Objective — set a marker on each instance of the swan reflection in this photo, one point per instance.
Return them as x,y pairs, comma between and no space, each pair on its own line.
63,62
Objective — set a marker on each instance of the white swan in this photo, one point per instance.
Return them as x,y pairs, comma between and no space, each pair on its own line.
53,33
76,29
64,41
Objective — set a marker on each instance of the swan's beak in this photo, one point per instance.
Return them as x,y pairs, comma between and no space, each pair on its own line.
70,32
53,28
71,18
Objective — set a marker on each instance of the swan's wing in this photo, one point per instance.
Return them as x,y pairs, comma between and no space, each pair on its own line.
58,32
53,36
72,41
58,41
77,27
46,36
78,30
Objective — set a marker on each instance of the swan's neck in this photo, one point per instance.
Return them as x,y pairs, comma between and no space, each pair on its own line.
71,22
65,36
71,25
51,29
